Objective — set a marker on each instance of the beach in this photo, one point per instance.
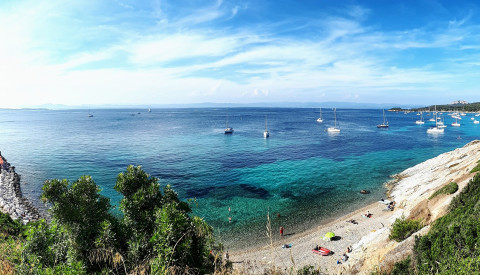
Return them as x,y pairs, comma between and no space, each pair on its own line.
371,247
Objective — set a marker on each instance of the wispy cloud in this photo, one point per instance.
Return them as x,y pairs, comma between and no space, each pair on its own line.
212,53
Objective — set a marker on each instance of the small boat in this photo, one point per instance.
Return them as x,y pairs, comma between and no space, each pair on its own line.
228,130
421,120
266,134
456,124
334,129
476,122
149,110
320,119
364,191
89,114
385,121
322,251
435,129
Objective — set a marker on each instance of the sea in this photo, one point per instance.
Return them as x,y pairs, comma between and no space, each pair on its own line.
244,185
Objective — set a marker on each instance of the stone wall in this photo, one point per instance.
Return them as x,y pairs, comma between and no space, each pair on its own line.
11,199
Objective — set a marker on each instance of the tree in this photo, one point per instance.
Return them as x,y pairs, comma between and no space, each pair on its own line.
155,234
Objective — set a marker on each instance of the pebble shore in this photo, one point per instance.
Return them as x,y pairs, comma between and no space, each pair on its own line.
11,198
372,248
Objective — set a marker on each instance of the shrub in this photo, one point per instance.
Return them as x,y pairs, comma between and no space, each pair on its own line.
453,245
403,267
403,228
476,168
9,227
448,189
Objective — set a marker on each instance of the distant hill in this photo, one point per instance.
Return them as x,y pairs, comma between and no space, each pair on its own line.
469,107
332,104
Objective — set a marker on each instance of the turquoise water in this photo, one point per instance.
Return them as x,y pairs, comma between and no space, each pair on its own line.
301,172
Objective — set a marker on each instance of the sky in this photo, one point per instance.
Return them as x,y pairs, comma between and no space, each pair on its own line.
132,52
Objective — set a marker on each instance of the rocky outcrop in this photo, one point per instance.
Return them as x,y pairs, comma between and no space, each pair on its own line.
11,198
411,192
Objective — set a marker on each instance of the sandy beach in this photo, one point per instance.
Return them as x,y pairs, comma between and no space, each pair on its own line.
369,237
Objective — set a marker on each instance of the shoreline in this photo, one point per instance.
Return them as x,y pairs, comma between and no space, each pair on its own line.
369,238
12,201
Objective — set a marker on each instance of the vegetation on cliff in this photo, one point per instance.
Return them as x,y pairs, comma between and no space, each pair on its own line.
452,245
156,233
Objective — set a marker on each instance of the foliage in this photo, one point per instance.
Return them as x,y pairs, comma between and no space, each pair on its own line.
9,227
10,254
156,233
403,267
476,168
453,242
448,189
309,270
50,247
470,107
403,228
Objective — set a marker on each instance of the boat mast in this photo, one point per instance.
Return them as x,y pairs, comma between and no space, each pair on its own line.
335,116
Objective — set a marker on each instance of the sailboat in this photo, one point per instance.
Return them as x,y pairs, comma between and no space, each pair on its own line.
228,130
320,119
456,124
149,110
421,120
385,122
334,129
441,122
89,114
266,134
435,129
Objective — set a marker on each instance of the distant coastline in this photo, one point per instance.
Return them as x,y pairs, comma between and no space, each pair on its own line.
329,104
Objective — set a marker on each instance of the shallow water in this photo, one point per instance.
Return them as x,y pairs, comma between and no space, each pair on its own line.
301,172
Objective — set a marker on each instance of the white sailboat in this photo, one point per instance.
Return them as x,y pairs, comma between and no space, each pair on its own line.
228,130
421,120
89,114
435,129
385,122
266,134
441,123
320,119
334,129
456,124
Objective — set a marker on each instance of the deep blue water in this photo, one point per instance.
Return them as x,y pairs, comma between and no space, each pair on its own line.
301,172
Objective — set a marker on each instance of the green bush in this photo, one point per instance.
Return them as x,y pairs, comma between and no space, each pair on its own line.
155,235
476,168
403,228
453,244
448,189
9,227
403,267
309,270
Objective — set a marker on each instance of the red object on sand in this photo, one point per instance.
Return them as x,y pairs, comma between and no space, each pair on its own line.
281,230
322,251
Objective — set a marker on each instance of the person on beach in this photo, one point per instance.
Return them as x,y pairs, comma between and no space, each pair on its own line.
227,256
281,231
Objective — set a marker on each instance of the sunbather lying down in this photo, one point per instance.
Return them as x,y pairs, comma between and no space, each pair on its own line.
352,221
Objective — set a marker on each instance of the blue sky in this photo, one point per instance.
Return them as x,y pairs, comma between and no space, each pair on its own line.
168,52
